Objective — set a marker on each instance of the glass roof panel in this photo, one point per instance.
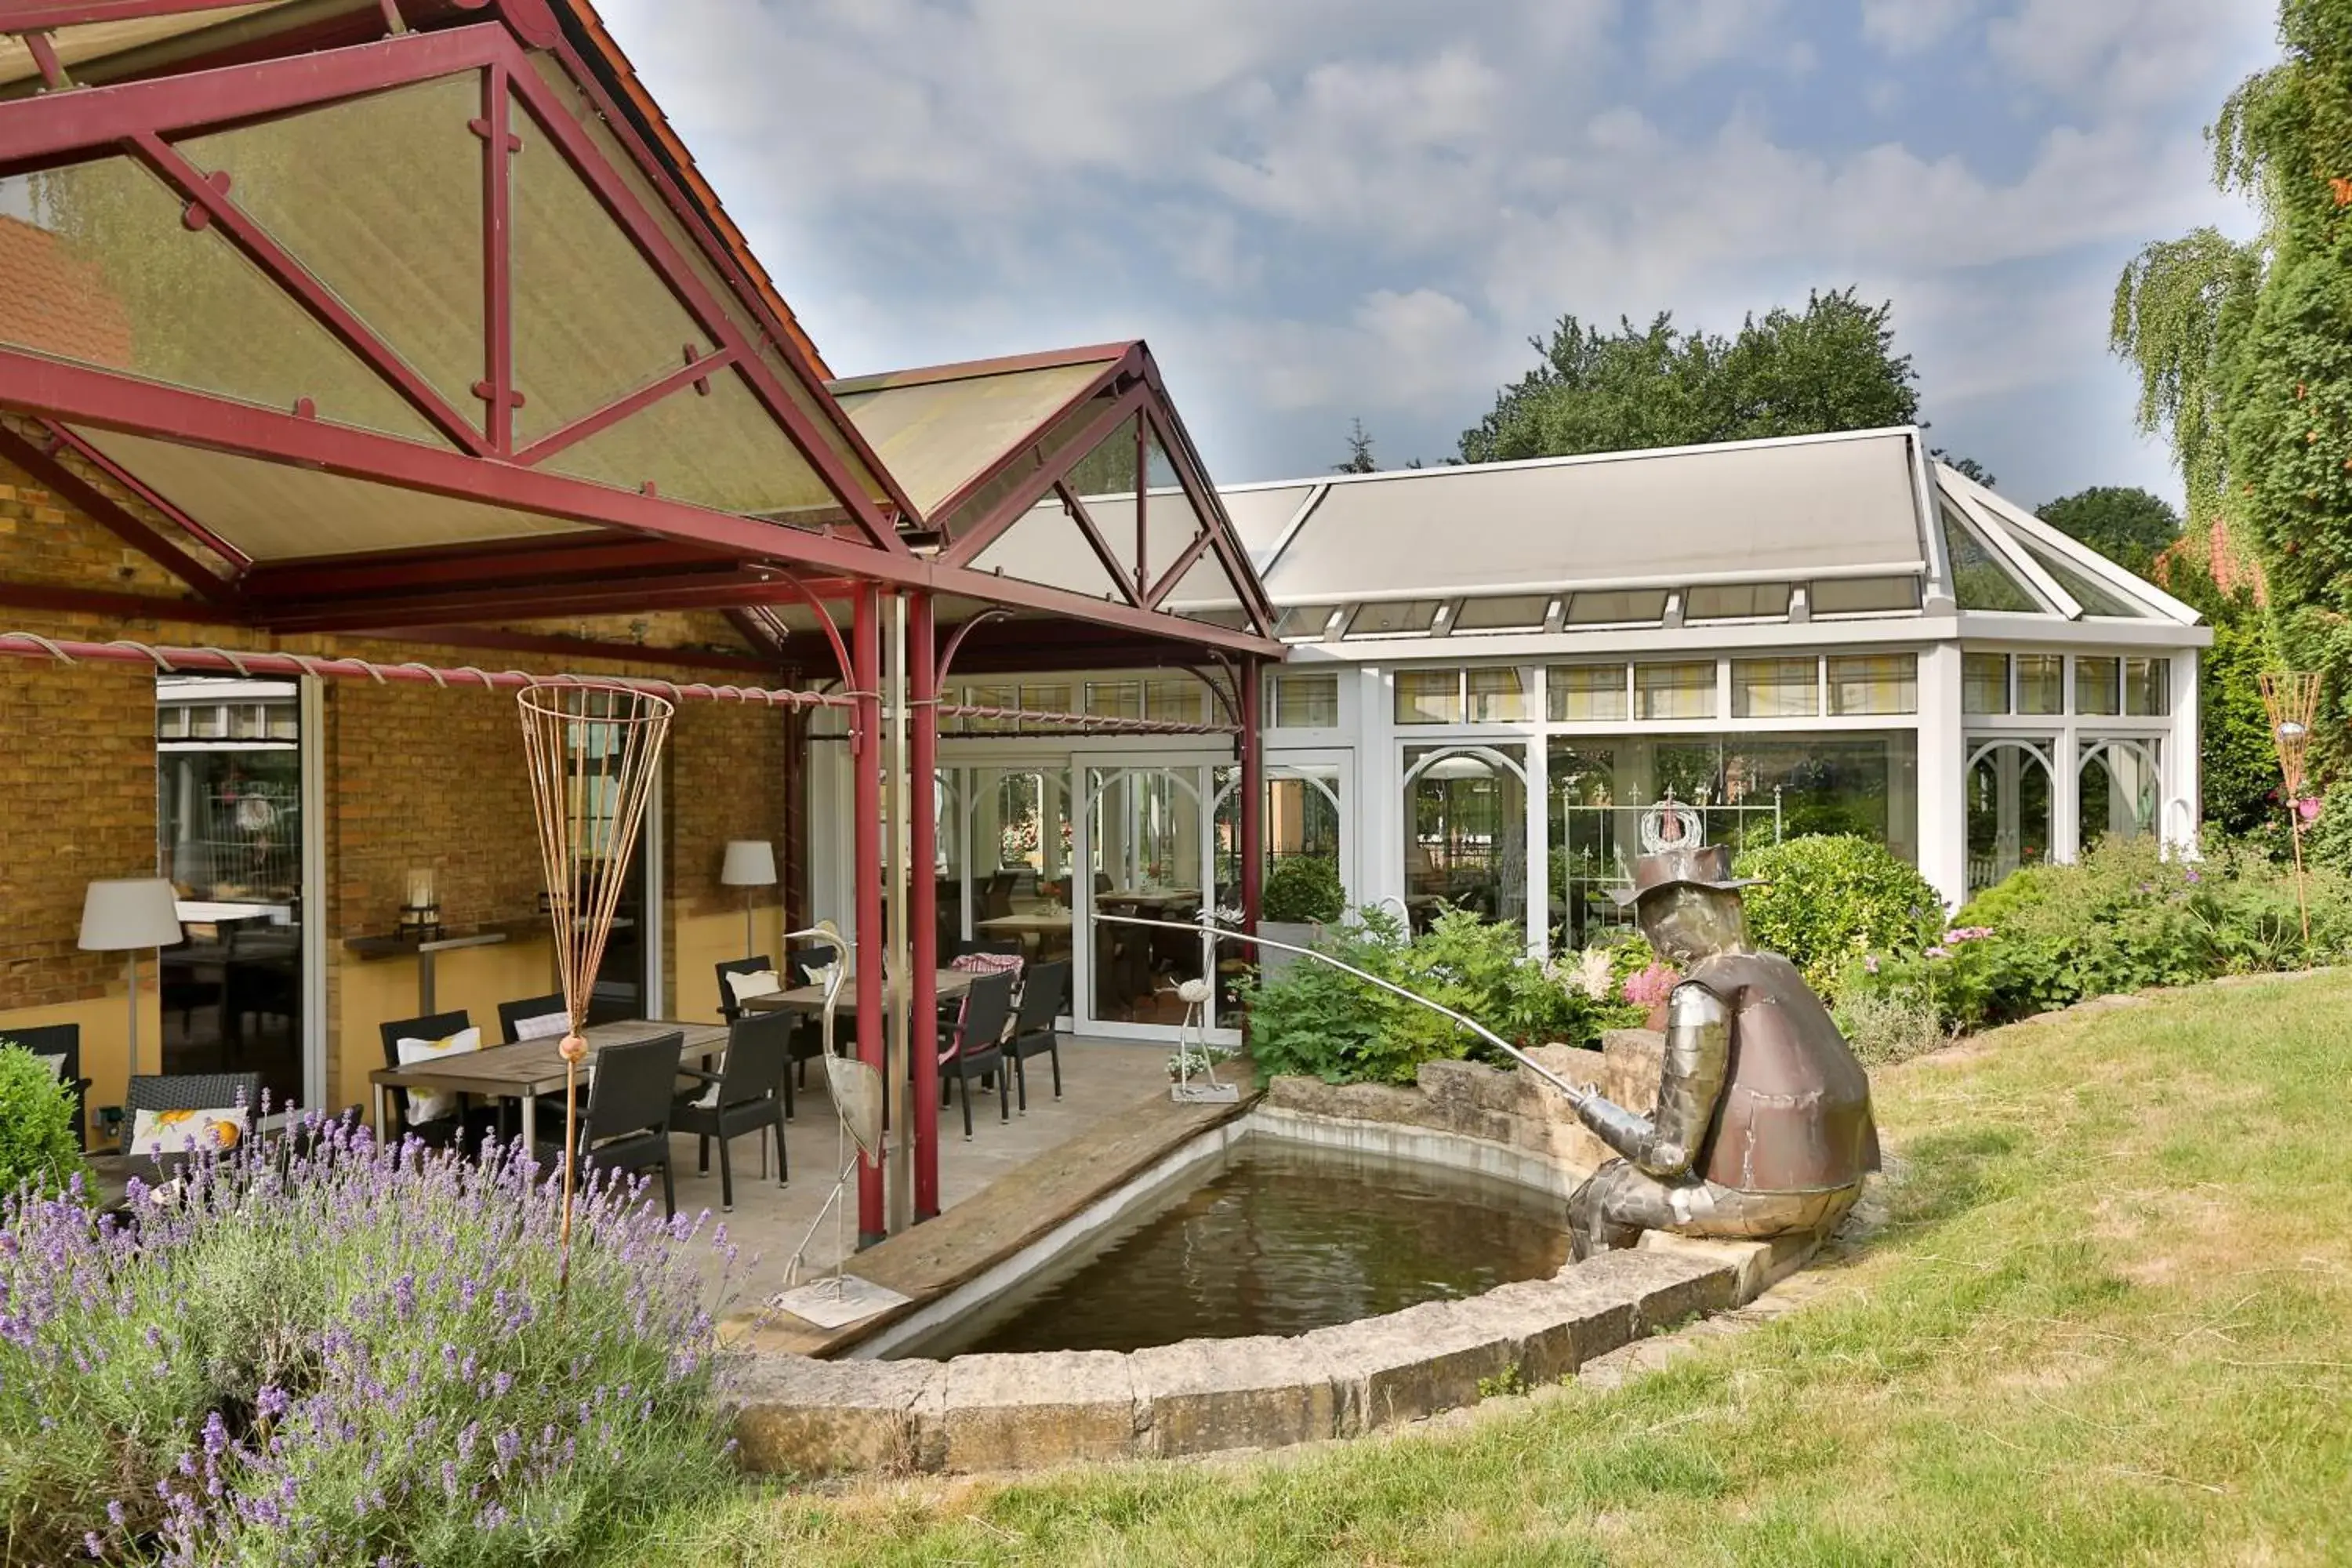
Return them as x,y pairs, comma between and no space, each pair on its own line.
98,267
2095,598
381,199
1047,548
592,321
719,450
1207,592
1980,580
275,512
1104,479
1504,613
1170,522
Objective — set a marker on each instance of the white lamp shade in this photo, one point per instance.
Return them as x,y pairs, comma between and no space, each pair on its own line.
133,913
750,863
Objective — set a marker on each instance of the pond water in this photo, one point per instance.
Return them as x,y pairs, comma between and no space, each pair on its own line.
1274,1237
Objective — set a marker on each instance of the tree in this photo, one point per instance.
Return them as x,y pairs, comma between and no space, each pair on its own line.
1360,452
1833,367
1967,467
2122,523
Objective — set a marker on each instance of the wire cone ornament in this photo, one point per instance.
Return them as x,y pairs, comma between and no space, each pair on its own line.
2291,699
593,750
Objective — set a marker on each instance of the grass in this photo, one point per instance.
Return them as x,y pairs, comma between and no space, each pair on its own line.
2109,1322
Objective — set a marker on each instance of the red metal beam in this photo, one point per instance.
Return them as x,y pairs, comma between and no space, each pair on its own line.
1095,540
120,606
500,639
28,18
596,557
1202,541
1193,476
612,414
923,896
727,590
52,474
1015,504
497,389
944,514
133,485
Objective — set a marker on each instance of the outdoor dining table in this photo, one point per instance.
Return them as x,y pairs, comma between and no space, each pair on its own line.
528,1069
951,983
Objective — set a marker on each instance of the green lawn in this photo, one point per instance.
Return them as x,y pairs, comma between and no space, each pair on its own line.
2110,1321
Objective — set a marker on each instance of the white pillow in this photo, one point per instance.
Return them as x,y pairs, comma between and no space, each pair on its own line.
546,1026
426,1105
183,1131
56,1064
760,983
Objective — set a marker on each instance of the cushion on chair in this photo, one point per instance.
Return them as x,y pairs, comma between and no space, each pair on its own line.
546,1026
758,983
426,1105
987,964
184,1132
56,1064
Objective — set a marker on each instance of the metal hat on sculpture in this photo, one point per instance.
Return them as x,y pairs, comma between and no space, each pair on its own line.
1695,866
593,750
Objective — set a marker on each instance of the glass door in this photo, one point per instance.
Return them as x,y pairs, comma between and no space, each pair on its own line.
1146,838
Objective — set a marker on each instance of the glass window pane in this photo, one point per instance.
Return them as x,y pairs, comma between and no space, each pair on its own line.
100,269
1984,683
1207,592
720,449
2095,598
1736,601
1179,701
1392,616
1428,696
1635,604
398,238
1301,623
1775,688
1673,690
1114,699
1980,581
592,321
2008,816
2041,683
2119,790
1586,691
993,695
1862,596
1519,612
1497,695
1466,833
1047,547
1054,698
2098,686
1874,683
1171,522
1305,701
2148,688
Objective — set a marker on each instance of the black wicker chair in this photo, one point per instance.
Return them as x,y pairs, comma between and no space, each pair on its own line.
471,1124
187,1092
513,1016
978,1048
631,1099
747,1097
1042,1001
63,1040
728,1007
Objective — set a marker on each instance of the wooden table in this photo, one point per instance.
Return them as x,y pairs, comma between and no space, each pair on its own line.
951,983
528,1068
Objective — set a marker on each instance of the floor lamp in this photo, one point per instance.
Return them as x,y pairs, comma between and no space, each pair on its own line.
750,863
129,916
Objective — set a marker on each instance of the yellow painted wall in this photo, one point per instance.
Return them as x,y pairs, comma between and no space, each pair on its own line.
373,991
105,1033
698,942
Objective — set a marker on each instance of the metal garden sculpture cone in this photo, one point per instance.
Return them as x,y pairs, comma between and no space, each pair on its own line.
2291,701
593,750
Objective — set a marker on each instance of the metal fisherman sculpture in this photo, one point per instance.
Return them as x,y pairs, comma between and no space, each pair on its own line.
1763,1125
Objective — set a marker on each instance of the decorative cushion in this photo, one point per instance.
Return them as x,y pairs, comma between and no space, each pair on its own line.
759,983
56,1064
987,963
546,1026
425,1104
186,1132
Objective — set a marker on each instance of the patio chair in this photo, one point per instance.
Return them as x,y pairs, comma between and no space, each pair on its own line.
977,1050
1009,946
1034,1034
186,1092
534,1018
801,960
731,1004
469,1123
61,1042
631,1099
744,1096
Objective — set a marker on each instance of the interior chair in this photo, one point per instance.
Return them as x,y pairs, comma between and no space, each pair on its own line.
744,1096
1042,1001
469,1124
63,1041
996,899
977,1046
549,1016
631,1099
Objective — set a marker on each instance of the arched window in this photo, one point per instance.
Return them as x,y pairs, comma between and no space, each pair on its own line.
2008,796
2121,790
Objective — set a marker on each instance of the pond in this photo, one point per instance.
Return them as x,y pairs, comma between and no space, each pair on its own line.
1272,1236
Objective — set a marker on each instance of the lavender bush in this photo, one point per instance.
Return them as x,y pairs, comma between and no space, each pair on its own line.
321,1349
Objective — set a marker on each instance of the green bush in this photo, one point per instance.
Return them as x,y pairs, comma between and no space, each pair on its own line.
1303,889
1320,1022
37,1131
1828,900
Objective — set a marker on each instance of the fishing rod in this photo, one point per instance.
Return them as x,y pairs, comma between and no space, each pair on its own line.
1576,1095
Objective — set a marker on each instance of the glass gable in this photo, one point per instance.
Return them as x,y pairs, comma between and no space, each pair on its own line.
2095,598
1980,580
719,449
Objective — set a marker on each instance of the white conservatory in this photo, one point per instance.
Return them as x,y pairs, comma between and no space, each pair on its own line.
1493,670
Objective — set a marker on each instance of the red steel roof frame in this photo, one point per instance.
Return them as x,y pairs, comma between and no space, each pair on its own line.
135,116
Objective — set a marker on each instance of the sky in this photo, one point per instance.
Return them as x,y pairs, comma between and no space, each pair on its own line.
1317,211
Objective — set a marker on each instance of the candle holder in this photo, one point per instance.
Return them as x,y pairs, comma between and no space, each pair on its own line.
420,917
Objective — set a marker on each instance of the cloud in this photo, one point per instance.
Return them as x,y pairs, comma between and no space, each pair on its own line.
1906,28
1687,37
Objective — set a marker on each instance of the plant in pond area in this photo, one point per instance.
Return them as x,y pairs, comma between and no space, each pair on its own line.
1825,901
1502,1386
37,1116
325,1350
1303,889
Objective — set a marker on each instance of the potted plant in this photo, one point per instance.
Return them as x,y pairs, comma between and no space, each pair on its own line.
1302,895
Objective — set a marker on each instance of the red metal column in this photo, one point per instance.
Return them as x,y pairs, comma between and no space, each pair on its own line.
1252,787
923,894
866,796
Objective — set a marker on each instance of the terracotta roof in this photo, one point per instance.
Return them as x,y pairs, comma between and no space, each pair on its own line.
56,302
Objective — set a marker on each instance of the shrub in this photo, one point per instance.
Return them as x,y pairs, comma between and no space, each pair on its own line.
1829,900
1303,889
325,1350
37,1131
1322,1022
